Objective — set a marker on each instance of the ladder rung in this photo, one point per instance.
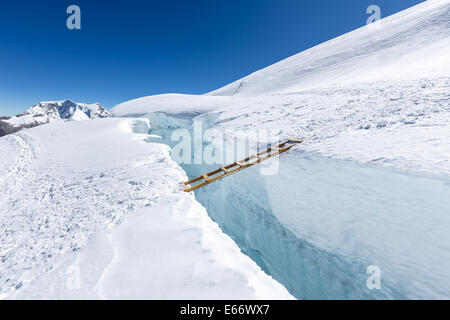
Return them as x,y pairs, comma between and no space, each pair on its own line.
205,176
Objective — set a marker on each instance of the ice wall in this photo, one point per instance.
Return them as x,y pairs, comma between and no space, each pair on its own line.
319,223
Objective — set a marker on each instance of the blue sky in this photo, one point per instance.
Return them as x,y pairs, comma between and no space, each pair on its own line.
129,49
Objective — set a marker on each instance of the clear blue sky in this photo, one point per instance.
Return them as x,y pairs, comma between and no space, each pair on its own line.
129,49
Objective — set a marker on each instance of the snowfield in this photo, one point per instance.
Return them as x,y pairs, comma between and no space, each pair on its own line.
404,124
92,210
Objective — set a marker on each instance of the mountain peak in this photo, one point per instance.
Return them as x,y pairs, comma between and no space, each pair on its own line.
48,111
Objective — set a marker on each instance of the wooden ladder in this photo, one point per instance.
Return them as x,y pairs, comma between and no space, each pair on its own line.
237,166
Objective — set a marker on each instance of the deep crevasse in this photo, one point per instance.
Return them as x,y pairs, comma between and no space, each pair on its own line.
320,222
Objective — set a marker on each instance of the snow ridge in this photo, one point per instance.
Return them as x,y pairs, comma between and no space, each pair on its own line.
412,42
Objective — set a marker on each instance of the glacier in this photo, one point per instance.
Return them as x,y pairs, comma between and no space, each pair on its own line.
319,223
94,209
370,189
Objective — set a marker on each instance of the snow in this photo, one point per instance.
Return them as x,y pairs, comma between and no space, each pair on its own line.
92,210
79,115
363,95
368,189
320,222
402,124
172,104
412,42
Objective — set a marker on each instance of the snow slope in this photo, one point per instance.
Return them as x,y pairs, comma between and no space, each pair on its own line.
413,42
372,95
90,209
374,98
404,124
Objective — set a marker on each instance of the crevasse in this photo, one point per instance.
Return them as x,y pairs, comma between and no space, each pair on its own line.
320,223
